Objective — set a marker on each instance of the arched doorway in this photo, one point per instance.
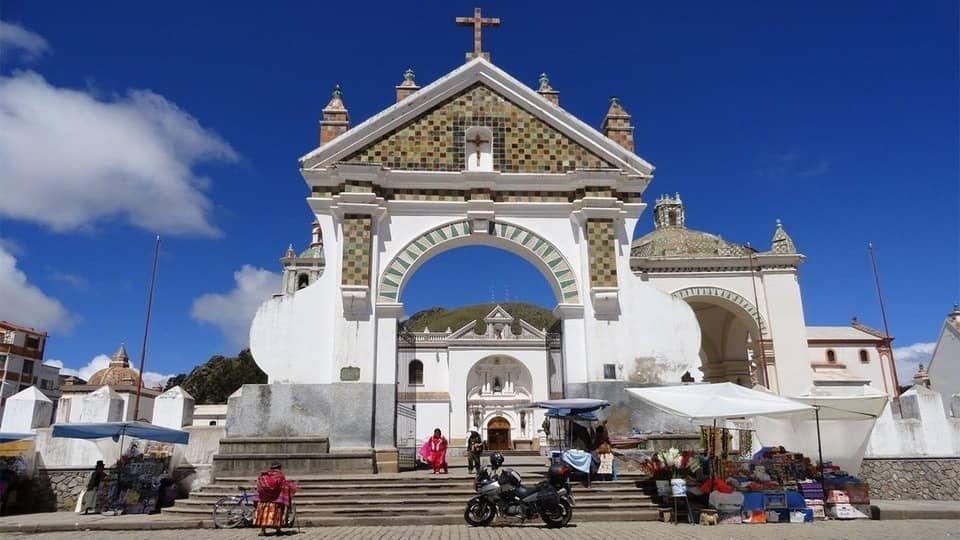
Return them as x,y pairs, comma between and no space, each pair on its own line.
729,335
498,434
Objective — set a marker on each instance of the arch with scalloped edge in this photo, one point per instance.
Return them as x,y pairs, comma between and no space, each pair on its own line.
727,295
518,240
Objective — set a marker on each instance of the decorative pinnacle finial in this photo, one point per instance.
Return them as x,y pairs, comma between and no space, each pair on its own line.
337,92
779,224
408,75
614,100
544,81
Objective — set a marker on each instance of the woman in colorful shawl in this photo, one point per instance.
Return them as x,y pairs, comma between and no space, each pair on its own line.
438,452
274,493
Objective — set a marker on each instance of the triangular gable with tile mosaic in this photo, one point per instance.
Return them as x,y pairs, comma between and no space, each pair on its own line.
435,141
425,131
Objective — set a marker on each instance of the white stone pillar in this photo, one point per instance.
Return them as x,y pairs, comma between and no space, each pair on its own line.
102,405
25,411
173,408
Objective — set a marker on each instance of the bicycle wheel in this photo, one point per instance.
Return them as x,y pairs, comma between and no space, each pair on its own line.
228,512
291,518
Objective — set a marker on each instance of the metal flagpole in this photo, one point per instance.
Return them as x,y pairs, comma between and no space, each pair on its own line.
886,327
146,327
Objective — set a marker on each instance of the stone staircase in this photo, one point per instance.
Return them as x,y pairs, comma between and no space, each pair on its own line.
417,497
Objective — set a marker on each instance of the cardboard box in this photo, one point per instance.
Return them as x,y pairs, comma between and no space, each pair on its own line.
835,496
844,511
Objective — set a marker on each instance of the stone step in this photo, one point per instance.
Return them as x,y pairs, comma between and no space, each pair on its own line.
579,516
408,499
394,506
407,488
411,479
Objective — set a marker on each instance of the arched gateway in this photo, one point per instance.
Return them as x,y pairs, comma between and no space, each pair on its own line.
476,157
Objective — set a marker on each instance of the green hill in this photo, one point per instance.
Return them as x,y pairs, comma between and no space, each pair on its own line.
214,380
439,319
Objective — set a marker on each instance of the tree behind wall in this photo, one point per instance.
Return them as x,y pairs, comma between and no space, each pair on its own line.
217,378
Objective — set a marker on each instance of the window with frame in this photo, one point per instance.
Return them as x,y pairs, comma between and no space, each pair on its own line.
3,362
864,356
831,356
32,342
27,367
415,373
609,371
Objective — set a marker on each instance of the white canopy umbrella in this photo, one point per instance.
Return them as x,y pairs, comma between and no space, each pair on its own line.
841,427
706,404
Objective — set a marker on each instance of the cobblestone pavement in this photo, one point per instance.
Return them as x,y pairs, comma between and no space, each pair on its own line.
898,530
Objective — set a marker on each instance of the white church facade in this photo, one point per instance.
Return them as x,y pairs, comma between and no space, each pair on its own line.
479,158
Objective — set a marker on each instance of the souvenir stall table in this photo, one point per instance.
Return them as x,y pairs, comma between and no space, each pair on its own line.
572,426
139,471
774,485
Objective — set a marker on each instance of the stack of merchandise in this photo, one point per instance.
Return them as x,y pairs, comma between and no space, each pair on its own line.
847,496
813,497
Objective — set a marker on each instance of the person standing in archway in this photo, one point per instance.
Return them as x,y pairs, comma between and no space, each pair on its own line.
474,450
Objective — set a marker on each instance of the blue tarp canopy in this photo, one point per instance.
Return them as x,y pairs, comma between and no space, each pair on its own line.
570,413
11,437
115,430
573,406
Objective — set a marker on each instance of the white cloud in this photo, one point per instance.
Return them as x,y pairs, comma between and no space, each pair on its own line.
101,361
79,283
14,38
71,160
232,312
24,303
910,357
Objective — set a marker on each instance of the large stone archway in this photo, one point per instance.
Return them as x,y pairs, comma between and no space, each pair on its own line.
518,240
732,335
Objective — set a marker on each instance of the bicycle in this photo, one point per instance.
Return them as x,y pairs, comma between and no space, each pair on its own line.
233,510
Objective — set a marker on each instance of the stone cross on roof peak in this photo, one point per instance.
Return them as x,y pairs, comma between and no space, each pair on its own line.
478,22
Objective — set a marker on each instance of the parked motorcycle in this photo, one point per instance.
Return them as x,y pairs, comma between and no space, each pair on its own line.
502,494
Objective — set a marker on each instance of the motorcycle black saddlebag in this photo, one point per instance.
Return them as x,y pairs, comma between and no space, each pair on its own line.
545,493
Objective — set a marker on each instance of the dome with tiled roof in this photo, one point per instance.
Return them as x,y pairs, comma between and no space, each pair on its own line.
312,252
117,373
672,238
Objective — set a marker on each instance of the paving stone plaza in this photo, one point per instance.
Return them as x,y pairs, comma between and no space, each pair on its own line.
876,530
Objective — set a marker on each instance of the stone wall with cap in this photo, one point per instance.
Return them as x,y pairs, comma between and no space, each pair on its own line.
936,479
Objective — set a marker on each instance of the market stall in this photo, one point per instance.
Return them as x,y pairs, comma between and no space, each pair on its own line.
142,465
573,430
778,483
16,466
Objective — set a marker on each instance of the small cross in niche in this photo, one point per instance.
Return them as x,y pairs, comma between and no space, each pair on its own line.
477,141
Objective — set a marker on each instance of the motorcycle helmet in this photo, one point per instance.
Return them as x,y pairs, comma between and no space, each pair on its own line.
496,459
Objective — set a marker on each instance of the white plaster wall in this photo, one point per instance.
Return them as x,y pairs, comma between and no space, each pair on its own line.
294,338
945,366
932,435
432,415
849,356
436,376
784,307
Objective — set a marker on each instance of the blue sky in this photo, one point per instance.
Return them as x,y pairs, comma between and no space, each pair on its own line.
187,118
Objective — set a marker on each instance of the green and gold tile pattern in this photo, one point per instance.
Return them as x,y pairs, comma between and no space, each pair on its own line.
601,249
521,142
356,250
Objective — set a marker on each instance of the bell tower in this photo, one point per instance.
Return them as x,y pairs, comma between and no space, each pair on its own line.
668,212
